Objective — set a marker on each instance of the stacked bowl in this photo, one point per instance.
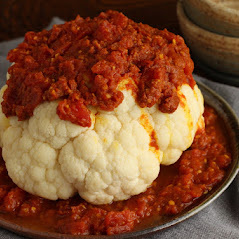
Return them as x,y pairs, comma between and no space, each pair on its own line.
211,30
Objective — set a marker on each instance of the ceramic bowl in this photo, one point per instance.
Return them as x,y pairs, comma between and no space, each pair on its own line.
217,51
218,16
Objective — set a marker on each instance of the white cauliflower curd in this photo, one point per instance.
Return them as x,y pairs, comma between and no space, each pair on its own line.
112,160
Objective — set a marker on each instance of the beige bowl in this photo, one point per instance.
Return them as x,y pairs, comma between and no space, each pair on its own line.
218,16
218,51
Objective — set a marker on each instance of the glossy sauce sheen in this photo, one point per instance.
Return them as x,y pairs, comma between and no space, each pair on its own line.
82,62
198,170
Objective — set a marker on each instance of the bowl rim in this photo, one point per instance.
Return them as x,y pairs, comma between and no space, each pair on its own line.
226,43
234,126
225,14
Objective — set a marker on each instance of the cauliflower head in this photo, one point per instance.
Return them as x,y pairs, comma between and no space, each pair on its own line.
117,157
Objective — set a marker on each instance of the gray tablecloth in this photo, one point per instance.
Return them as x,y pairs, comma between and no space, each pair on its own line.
219,220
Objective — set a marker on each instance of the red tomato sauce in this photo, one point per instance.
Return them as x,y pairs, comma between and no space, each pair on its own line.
82,62
199,169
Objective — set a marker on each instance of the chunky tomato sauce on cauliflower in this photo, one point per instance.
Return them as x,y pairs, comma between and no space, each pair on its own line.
82,62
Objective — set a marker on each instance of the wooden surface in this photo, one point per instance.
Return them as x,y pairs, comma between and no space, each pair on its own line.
19,16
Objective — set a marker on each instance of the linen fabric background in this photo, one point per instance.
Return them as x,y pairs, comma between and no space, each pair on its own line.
219,220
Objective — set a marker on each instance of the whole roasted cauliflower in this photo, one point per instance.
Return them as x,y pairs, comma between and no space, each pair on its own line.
94,106
109,161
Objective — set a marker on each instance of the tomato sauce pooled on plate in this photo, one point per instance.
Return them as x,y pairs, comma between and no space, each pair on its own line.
82,62
198,170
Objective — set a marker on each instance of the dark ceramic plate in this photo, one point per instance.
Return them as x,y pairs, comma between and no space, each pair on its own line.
232,125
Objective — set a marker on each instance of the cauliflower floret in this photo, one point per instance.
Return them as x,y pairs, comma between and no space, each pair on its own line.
33,165
175,132
112,160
